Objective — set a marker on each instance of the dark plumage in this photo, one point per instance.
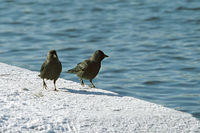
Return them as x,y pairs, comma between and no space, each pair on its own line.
51,68
89,68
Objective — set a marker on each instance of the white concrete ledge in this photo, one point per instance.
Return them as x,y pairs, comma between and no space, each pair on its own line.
26,107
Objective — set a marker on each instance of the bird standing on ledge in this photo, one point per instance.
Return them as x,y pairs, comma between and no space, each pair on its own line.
51,68
89,68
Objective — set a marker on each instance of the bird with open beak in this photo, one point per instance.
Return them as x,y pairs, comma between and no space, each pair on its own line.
89,68
51,68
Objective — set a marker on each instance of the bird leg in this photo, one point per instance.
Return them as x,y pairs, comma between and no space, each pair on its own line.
82,83
54,82
93,86
44,85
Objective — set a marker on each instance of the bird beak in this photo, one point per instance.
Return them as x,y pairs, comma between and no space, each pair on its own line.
54,56
106,55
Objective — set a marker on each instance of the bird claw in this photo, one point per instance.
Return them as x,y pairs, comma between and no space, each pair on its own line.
82,83
93,86
45,87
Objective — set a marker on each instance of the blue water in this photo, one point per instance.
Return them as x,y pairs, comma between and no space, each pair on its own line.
154,45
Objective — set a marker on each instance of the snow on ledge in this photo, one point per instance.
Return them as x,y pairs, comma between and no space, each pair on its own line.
26,107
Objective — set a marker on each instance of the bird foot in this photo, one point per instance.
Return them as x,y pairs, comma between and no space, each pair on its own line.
82,83
93,86
45,87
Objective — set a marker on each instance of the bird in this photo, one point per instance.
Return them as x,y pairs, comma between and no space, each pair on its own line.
88,69
51,68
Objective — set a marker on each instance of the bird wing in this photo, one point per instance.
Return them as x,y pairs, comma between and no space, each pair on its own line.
82,66
60,66
43,66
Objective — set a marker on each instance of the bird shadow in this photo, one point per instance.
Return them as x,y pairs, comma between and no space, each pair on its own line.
89,92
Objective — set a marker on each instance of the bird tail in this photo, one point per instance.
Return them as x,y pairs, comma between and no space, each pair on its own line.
72,71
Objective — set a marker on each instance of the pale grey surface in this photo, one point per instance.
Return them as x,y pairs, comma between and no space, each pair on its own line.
25,107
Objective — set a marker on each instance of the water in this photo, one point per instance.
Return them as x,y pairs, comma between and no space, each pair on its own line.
154,45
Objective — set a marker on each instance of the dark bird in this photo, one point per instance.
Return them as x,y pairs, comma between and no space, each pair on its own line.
89,68
51,68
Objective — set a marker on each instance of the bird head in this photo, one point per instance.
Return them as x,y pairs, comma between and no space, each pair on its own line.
52,55
99,56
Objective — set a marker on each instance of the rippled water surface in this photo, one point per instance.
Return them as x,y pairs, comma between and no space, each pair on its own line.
154,45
